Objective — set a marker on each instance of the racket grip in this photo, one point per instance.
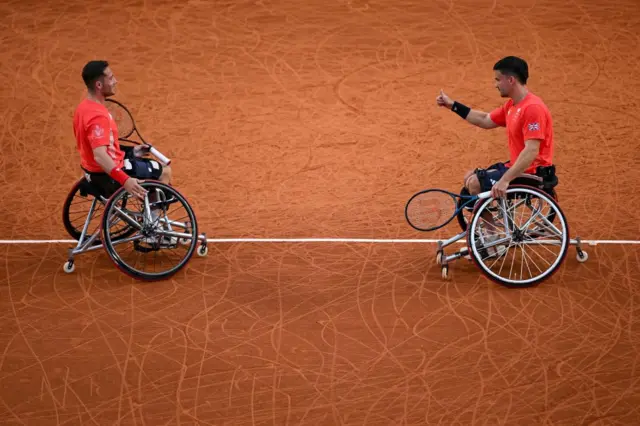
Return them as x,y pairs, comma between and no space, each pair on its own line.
160,157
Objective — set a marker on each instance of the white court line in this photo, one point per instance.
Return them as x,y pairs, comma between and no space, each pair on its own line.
320,240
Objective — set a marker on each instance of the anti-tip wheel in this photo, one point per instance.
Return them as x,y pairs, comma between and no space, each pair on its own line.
69,267
439,257
582,256
445,272
203,250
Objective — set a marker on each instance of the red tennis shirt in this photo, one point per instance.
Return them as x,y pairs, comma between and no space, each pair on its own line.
93,126
530,119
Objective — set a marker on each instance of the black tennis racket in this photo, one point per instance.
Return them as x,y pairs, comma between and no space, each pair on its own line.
432,209
127,127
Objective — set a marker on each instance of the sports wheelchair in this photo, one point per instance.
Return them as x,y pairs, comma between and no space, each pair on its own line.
150,239
517,241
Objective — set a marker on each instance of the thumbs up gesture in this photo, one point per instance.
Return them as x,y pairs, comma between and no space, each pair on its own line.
443,100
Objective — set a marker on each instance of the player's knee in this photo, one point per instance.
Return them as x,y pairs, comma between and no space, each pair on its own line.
467,175
166,175
472,184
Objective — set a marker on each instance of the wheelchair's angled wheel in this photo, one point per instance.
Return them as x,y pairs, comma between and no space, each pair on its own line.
521,240
76,209
162,243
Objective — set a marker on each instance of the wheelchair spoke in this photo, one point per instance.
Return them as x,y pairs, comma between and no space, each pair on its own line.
536,242
494,228
536,213
157,249
524,263
497,259
541,230
548,224
526,256
529,248
546,261
513,260
126,240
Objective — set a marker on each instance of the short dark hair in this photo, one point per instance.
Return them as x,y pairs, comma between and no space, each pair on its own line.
514,66
92,71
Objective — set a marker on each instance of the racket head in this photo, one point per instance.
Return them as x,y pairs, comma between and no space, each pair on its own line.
431,209
123,118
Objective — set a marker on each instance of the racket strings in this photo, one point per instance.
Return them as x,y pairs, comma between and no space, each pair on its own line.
431,210
122,118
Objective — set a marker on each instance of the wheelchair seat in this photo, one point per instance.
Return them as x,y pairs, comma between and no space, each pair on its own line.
87,188
99,185
544,179
128,228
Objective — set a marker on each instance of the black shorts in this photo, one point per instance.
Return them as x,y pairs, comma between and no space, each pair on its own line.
544,178
490,176
139,168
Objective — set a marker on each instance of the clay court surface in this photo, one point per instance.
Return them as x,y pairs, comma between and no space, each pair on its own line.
317,119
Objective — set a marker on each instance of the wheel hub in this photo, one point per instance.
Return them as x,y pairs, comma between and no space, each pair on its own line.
148,231
518,236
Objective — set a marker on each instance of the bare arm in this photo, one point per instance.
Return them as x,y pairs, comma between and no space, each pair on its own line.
103,159
106,162
477,118
524,160
481,119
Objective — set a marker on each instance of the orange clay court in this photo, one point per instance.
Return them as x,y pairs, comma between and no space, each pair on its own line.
317,119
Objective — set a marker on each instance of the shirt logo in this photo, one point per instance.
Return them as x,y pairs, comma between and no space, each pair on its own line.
98,132
533,127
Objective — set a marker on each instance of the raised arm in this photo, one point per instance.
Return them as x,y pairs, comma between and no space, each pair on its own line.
476,117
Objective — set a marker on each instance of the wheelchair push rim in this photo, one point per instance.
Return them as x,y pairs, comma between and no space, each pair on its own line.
525,247
169,239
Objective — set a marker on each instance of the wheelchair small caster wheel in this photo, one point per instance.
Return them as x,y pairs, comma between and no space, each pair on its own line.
69,267
445,272
203,250
582,256
439,255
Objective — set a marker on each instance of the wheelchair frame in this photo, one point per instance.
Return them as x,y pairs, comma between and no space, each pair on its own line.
469,231
99,239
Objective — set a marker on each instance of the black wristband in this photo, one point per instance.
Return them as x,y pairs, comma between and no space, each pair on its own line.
461,110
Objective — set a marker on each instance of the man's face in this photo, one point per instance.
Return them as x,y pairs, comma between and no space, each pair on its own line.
107,84
504,83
